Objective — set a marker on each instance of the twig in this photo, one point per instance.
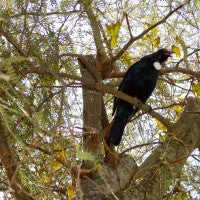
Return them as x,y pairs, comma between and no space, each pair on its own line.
195,158
133,39
129,27
139,145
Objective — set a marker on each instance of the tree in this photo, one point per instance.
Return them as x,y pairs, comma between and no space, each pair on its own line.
59,67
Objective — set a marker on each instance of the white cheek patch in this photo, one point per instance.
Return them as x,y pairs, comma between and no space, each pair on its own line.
157,65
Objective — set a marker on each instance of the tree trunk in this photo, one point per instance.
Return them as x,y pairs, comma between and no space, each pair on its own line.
92,107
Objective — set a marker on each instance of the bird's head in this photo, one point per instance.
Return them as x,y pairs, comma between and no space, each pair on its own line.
162,54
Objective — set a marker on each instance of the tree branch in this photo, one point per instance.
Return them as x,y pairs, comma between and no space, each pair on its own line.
44,14
107,89
165,70
94,25
43,67
100,86
180,70
133,39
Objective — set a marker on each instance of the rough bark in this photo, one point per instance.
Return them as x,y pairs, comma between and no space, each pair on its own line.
92,104
108,180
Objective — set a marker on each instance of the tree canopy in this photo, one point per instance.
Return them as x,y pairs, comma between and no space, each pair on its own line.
60,65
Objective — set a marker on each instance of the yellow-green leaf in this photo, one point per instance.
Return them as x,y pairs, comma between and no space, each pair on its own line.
157,41
103,149
160,125
113,31
154,31
85,155
59,153
178,108
148,24
176,50
178,197
152,35
183,45
44,178
70,191
147,36
126,58
196,89
55,164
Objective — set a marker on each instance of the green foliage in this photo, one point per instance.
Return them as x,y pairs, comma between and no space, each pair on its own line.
183,45
176,50
29,181
86,156
153,36
196,89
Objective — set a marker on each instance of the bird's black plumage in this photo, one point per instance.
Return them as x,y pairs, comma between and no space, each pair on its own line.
139,81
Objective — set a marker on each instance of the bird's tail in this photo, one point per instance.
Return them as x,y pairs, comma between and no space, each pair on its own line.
118,127
117,130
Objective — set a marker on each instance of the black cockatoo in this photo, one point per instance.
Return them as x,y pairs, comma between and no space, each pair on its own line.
139,81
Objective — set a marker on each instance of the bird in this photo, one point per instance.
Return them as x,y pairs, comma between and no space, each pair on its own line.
139,81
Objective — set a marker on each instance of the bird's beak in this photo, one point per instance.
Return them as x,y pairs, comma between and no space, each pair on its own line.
168,53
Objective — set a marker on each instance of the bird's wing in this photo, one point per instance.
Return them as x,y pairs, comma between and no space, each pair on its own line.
128,83
132,79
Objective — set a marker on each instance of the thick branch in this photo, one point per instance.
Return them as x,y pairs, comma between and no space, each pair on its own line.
165,70
94,25
103,63
90,66
181,70
109,180
92,103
